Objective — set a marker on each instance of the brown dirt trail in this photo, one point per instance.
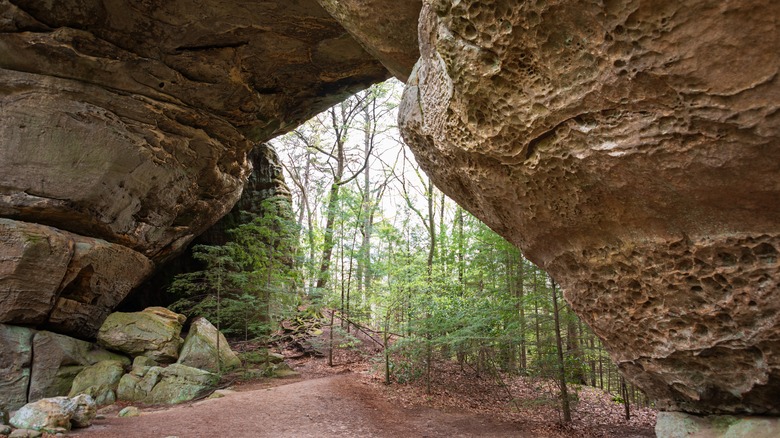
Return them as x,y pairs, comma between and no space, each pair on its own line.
334,406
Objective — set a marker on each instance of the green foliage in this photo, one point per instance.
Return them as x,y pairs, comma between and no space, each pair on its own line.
248,284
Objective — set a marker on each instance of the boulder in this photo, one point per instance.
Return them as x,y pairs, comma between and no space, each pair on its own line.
200,348
629,149
141,365
15,365
33,262
54,414
66,281
85,412
58,359
170,385
153,332
99,381
681,425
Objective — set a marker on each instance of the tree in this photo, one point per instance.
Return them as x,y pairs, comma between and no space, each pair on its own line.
248,283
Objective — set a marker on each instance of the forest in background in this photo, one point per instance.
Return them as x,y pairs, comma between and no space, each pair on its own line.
372,244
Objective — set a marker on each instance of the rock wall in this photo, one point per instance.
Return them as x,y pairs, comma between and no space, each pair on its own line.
126,127
386,29
632,150
266,181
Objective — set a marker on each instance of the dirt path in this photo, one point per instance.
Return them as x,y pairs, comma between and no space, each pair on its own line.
334,406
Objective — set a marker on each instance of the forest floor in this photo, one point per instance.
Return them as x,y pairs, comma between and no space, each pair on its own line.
350,400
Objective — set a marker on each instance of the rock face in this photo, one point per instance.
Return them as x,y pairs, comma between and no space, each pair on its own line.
67,282
680,425
34,365
265,182
130,123
15,364
153,333
200,348
387,29
632,150
58,359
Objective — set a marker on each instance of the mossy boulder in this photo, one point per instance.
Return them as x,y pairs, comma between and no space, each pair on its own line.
55,414
153,332
174,384
99,381
200,348
58,359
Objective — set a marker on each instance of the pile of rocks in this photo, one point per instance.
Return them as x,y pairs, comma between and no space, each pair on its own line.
166,369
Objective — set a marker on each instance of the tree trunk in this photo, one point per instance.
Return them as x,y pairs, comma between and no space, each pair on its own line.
561,368
327,246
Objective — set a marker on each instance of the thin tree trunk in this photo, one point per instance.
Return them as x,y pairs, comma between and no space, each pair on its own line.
327,246
561,369
626,403
330,339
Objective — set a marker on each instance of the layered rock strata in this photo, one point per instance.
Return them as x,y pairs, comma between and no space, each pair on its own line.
130,123
632,150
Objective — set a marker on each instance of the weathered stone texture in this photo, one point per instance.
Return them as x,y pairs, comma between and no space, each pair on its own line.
631,149
58,359
15,364
680,425
66,281
153,333
200,348
386,29
173,384
130,122
99,381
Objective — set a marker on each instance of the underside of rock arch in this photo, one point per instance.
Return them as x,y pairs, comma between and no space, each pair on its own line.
632,149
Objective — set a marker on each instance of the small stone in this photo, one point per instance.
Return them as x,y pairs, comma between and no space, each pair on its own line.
282,370
130,411
5,430
86,410
25,433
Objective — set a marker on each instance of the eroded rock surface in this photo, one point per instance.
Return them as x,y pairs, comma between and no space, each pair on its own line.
632,150
57,360
173,384
153,332
202,350
15,364
387,29
130,122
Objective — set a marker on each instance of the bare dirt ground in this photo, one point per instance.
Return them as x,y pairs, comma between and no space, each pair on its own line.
351,400
332,406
